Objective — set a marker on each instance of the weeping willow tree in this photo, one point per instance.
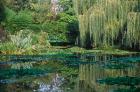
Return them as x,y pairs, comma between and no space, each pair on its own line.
133,29
107,22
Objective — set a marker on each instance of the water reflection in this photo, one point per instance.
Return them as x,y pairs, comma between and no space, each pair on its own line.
70,73
111,75
53,86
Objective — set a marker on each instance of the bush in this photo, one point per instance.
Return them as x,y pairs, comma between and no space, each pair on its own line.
22,39
7,46
26,42
56,30
17,21
72,26
23,19
10,14
19,43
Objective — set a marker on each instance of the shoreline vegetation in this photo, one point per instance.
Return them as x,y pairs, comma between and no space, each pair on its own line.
69,45
71,50
78,50
30,27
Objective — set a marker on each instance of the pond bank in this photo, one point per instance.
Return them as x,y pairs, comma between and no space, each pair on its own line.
78,50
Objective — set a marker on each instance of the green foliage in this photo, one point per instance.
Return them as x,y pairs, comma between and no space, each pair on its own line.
23,17
43,39
26,42
131,89
19,43
39,18
18,21
67,6
10,14
67,18
22,39
21,20
133,30
40,10
2,11
128,81
72,26
56,30
101,25
8,46
20,4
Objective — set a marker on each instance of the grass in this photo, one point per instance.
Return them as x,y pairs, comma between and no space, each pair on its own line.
69,50
78,50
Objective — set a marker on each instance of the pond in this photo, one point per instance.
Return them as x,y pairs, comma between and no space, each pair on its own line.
70,73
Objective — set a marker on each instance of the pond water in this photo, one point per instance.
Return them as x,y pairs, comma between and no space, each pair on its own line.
70,73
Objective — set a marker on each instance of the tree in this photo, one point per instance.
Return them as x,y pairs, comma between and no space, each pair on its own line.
2,10
68,16
17,5
2,17
40,10
67,6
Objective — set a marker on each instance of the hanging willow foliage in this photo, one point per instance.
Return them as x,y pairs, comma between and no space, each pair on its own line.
133,29
102,22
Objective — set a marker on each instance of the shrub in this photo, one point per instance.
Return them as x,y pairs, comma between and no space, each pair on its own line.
17,21
10,14
23,19
22,39
56,30
7,48
26,42
20,43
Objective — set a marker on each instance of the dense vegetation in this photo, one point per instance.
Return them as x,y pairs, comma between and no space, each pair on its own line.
109,23
31,26
36,24
69,45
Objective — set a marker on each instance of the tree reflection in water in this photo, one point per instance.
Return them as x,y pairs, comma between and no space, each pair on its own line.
71,73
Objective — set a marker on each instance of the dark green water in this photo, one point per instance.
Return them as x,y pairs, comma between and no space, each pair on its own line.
70,73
